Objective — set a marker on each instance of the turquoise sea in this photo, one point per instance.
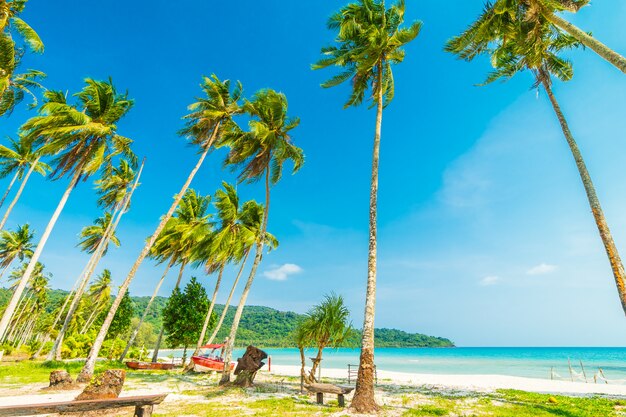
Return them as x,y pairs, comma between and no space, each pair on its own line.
525,362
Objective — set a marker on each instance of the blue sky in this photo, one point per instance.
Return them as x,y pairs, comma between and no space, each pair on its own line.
485,233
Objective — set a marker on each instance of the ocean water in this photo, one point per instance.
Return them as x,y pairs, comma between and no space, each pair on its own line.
524,362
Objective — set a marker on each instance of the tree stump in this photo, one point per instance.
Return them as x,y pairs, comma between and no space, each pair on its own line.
60,379
104,386
248,366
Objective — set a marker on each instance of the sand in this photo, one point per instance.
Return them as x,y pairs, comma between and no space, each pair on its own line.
480,383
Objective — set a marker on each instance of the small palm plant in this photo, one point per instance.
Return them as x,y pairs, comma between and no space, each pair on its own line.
535,45
20,160
370,40
82,138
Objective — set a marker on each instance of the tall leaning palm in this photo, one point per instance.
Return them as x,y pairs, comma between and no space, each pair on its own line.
204,125
259,154
15,245
535,45
548,11
82,137
370,40
16,160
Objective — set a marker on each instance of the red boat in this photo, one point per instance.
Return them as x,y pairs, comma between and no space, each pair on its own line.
209,360
156,366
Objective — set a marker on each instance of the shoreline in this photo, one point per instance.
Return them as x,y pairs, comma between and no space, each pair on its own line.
474,383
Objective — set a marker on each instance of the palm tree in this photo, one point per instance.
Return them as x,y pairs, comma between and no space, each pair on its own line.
260,153
189,226
326,325
93,236
99,297
548,11
535,45
83,139
249,222
10,21
96,242
15,245
370,40
17,159
204,125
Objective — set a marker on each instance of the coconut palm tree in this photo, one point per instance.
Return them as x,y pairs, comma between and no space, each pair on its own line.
93,236
260,153
15,85
205,124
99,297
15,160
10,21
247,234
549,11
535,45
190,225
96,243
82,138
18,158
15,245
370,40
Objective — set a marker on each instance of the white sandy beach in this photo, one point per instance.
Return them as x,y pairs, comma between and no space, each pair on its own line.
473,382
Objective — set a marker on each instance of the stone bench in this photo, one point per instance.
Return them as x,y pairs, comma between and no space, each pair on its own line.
321,389
143,406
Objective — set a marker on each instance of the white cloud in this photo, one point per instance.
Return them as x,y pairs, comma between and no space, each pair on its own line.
541,269
282,272
490,280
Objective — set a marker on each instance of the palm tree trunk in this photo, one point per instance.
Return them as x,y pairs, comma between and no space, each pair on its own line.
363,400
18,317
54,324
155,354
91,317
230,296
594,202
6,193
8,312
208,316
145,313
590,42
5,268
55,352
87,371
18,194
228,351
316,362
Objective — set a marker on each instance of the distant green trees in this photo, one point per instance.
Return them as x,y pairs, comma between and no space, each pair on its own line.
184,314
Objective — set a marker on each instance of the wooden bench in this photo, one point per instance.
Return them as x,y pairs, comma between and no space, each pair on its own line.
321,389
143,406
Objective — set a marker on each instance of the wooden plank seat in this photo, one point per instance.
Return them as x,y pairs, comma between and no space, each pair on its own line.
321,389
143,406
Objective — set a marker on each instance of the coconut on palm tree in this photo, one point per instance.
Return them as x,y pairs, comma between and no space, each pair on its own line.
259,154
15,245
16,161
370,40
82,138
535,45
205,124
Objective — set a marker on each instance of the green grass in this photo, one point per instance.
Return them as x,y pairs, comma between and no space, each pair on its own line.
31,372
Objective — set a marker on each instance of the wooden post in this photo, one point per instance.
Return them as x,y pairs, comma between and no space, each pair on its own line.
571,374
583,368
143,411
320,398
606,381
269,363
552,372
341,400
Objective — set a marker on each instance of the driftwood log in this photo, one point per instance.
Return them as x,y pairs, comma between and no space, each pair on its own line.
248,366
321,389
143,406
